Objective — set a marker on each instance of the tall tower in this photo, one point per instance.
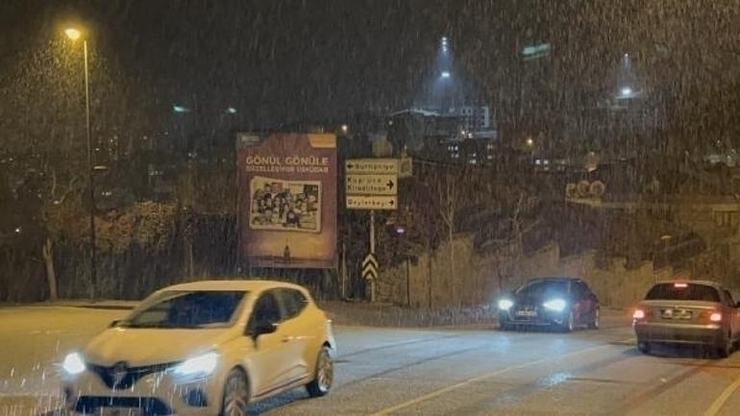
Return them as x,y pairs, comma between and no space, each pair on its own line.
441,91
627,83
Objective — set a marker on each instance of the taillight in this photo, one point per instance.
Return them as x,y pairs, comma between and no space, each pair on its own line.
710,316
639,314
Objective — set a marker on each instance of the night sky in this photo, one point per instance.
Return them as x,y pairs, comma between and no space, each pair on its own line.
288,60
277,60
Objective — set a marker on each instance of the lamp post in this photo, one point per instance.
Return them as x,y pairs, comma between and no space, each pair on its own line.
75,34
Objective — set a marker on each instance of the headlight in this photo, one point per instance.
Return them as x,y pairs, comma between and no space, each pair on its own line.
73,364
199,366
505,304
555,305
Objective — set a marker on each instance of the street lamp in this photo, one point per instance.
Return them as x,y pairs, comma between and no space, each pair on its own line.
75,34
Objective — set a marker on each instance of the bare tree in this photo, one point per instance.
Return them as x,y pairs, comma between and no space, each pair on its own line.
448,192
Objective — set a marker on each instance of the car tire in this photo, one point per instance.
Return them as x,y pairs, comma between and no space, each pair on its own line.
595,322
724,350
643,347
323,374
503,325
236,394
570,323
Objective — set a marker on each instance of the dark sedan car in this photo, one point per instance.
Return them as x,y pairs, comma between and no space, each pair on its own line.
688,312
563,302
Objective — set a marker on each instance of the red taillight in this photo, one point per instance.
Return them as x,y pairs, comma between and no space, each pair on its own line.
639,314
706,317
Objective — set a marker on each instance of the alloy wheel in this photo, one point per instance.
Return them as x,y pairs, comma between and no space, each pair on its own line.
236,394
324,375
595,323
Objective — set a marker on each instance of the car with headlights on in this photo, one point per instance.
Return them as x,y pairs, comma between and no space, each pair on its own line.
693,312
208,347
561,302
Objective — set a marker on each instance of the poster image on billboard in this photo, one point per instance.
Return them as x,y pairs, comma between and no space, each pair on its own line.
285,205
287,195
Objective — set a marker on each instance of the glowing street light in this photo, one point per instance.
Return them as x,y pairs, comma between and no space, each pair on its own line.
74,34
181,109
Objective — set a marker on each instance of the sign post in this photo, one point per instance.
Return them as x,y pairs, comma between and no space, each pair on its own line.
372,184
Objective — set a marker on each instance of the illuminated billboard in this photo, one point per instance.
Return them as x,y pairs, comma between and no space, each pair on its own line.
288,200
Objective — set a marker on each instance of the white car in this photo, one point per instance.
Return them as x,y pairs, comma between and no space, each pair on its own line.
208,347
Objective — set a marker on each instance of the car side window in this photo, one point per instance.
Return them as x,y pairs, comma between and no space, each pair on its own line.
581,290
266,311
293,302
728,299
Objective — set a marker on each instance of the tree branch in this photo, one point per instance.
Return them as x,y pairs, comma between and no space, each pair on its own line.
70,187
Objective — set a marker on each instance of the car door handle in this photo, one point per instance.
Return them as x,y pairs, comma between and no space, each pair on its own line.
287,339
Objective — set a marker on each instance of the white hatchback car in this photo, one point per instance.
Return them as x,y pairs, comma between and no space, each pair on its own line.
208,347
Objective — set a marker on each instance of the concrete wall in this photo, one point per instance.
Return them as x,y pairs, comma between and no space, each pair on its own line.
431,282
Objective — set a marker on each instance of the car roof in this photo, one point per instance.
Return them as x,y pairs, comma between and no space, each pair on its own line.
247,284
696,282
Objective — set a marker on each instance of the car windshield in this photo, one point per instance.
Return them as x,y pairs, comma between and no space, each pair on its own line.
680,291
187,309
540,288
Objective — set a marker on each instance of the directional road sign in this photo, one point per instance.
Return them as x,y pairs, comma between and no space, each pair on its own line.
371,184
379,202
370,267
387,166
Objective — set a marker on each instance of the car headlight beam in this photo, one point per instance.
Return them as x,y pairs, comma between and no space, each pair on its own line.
505,304
199,366
73,364
555,305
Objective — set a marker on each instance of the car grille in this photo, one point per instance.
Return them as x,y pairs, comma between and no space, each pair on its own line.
119,376
146,405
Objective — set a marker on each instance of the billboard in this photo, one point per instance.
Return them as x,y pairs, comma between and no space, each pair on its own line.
288,200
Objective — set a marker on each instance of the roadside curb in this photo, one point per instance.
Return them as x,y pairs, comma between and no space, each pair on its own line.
109,307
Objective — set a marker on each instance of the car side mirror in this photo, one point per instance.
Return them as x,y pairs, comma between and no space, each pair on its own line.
264,328
114,323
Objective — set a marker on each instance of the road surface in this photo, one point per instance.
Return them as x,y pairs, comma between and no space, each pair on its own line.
424,372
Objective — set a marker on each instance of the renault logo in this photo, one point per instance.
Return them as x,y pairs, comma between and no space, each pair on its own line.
118,373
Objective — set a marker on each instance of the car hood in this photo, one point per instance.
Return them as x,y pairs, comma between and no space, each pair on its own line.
139,346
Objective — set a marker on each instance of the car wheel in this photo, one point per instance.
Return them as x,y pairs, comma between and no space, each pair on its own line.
503,325
570,323
724,350
594,324
323,376
643,347
236,394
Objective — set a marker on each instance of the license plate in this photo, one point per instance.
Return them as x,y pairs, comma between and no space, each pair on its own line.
119,411
676,314
526,313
